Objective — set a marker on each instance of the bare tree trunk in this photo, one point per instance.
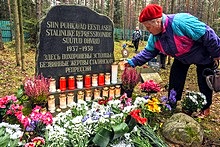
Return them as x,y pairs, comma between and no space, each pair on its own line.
111,10
195,7
216,6
208,12
17,32
11,18
102,6
1,41
187,5
21,34
172,11
38,9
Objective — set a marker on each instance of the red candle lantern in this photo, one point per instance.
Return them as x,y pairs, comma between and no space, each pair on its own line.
71,83
62,83
101,79
87,81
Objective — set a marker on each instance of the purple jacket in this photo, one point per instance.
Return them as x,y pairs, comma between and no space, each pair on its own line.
183,37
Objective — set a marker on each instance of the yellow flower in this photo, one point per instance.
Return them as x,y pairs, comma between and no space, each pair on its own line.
153,106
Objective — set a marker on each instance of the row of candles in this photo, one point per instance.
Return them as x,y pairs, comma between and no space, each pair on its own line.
65,100
86,81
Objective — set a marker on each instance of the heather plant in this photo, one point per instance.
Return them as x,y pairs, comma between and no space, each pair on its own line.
37,89
130,78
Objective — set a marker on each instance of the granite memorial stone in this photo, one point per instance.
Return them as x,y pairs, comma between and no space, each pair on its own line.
74,40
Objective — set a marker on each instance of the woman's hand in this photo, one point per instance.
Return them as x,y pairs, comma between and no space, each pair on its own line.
126,64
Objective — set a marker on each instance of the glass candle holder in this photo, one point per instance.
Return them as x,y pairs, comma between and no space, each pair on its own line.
112,91
80,95
71,83
105,91
51,103
79,81
101,79
62,83
121,64
70,99
107,79
88,96
87,81
62,101
117,91
52,87
96,94
94,80
114,76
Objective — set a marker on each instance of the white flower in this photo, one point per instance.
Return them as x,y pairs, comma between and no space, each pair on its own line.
77,119
128,109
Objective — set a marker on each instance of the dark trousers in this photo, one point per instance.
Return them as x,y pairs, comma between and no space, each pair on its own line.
162,60
136,44
178,75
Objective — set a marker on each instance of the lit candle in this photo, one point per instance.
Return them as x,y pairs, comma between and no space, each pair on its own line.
71,83
117,91
112,91
94,80
105,92
52,85
114,73
70,99
96,94
87,81
62,101
79,81
107,79
101,79
88,96
121,64
80,95
51,103
62,83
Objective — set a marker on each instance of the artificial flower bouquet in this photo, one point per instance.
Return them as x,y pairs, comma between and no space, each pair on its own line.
193,102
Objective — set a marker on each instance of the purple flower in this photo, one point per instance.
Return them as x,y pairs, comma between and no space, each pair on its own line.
168,106
95,117
32,126
124,45
164,99
172,98
85,118
147,97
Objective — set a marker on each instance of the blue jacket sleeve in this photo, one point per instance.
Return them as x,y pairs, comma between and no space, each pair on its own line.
143,57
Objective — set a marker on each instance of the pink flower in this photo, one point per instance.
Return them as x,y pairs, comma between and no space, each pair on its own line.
36,115
29,144
37,88
4,101
150,86
38,140
130,78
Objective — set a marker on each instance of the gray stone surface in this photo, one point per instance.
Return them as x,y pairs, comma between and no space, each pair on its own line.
74,40
183,130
